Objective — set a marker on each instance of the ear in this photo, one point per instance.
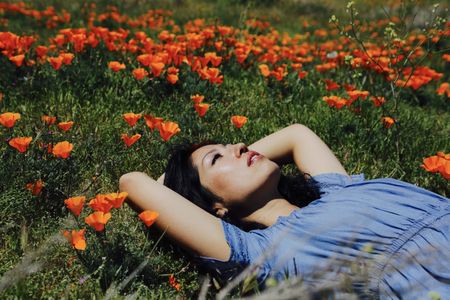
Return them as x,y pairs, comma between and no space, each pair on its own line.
220,210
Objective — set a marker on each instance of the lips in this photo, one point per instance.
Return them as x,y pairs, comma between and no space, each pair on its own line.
250,155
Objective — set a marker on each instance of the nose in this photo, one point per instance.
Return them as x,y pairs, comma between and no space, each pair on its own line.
238,149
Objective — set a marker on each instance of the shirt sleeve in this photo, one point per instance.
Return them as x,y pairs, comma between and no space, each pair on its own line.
330,182
245,247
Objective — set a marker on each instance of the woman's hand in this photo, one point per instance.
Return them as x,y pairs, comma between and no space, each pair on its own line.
300,145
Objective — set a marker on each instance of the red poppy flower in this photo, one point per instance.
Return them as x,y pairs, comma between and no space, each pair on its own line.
20,143
173,282
331,85
75,204
131,118
378,101
168,129
302,74
35,188
62,149
65,126
55,62
238,121
8,119
76,238
130,140
148,217
98,220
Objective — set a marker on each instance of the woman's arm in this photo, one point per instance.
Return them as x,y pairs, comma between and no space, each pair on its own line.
188,225
297,143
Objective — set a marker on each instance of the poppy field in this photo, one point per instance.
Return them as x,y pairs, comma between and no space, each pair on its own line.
92,90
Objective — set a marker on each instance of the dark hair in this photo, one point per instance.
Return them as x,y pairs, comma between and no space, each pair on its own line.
182,177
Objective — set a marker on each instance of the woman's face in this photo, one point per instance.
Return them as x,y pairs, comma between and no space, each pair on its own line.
241,177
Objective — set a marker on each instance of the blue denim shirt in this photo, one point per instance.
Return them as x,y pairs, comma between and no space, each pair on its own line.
398,232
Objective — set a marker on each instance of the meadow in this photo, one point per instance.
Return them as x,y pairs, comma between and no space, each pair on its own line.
92,90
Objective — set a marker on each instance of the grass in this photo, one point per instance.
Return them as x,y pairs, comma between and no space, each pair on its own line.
37,262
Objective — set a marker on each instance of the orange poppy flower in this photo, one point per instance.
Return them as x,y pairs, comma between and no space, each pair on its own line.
76,238
65,126
432,163
67,58
20,143
355,94
444,88
444,169
116,66
157,68
238,121
17,60
98,220
153,122
48,120
335,101
172,78
139,73
100,203
144,59
55,62
62,149
443,155
35,188
131,118
264,69
130,140
41,51
378,101
116,199
387,121
168,129
75,204
197,98
201,108
8,119
148,217
173,282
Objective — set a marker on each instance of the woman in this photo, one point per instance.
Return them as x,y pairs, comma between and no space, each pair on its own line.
396,233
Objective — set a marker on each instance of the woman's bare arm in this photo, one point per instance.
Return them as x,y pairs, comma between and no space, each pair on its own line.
190,226
297,143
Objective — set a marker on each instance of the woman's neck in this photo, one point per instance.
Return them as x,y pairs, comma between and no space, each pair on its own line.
268,214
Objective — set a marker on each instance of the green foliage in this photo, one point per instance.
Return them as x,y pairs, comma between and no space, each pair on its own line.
95,99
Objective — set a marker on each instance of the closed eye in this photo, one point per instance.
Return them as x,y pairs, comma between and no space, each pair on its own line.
216,156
